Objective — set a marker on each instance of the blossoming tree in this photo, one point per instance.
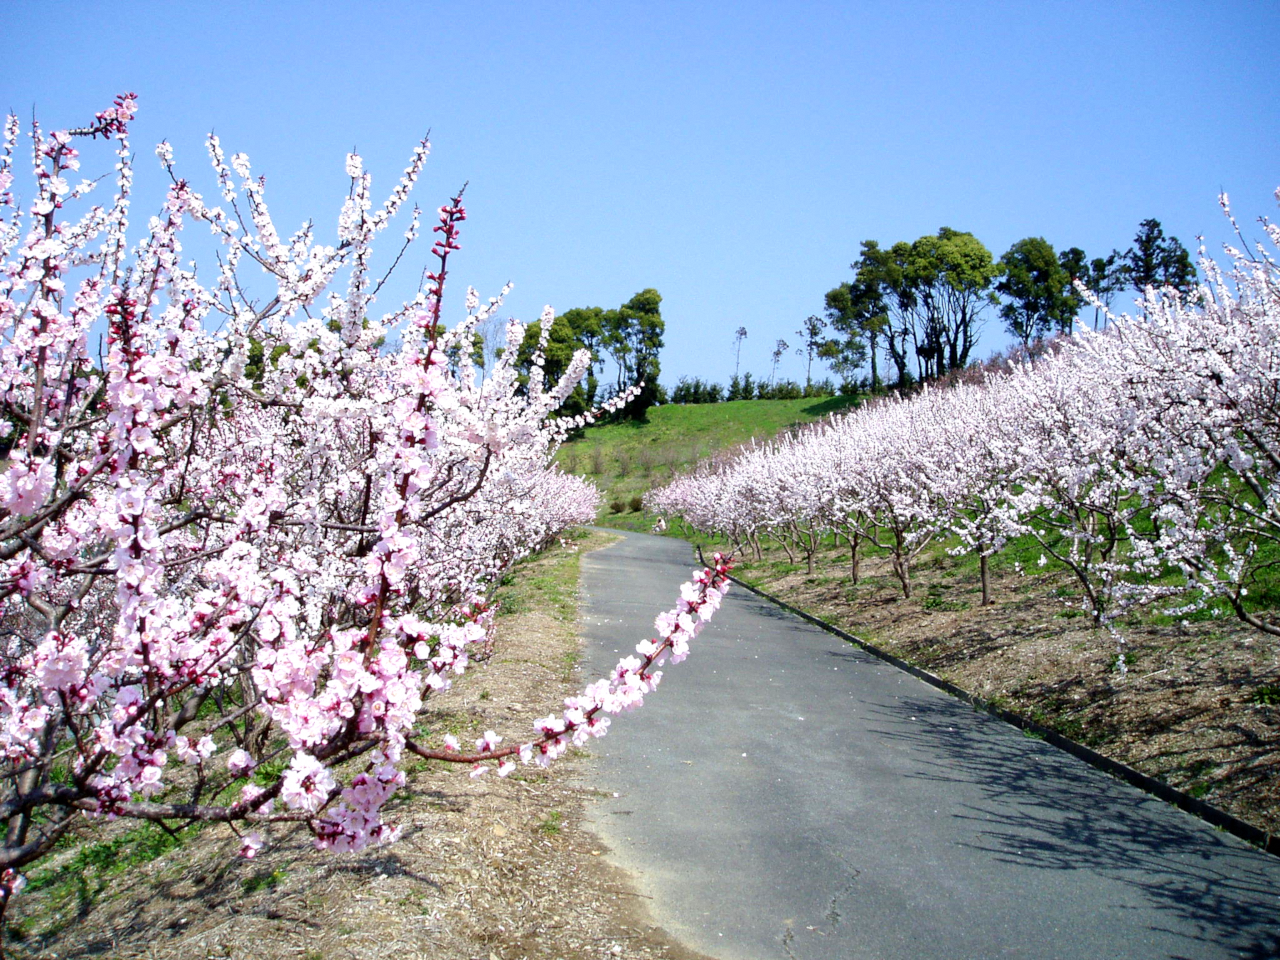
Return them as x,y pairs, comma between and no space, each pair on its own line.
250,531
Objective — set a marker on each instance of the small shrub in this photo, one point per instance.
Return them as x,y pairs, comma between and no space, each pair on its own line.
1070,727
1130,661
644,462
671,457
510,606
637,504
617,506
597,460
1267,694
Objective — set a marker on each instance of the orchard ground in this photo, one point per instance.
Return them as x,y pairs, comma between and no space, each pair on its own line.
487,868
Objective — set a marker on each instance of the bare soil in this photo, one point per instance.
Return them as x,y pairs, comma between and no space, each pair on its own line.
1197,709
491,869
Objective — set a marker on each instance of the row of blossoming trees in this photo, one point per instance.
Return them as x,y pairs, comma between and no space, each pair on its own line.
248,531
1144,459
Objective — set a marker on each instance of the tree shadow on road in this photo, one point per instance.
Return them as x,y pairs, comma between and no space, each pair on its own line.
1045,810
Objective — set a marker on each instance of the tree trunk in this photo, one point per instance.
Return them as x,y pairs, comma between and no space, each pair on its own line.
875,384
812,541
902,568
986,582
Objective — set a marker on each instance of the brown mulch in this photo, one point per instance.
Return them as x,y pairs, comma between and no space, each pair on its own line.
1191,710
491,869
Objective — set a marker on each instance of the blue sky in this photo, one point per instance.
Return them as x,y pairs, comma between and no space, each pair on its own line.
732,155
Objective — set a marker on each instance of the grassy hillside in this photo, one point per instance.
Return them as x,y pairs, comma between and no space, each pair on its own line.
627,459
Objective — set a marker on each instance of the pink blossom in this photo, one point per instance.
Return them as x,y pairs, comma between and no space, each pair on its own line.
240,763
306,784
251,844
302,542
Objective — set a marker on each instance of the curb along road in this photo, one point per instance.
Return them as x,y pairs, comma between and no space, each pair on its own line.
784,794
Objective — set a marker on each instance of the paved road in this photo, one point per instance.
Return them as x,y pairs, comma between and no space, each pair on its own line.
784,795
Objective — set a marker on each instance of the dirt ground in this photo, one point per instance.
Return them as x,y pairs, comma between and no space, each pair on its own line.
490,869
1199,707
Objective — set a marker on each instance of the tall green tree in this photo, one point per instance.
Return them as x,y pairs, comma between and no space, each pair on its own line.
630,335
738,337
1155,260
1076,264
587,324
952,273
1104,276
936,289
561,344
814,344
633,335
779,349
883,294
1037,291
857,311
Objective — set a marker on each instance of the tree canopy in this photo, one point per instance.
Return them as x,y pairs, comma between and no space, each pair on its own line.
1155,260
922,302
1037,291
924,298
630,335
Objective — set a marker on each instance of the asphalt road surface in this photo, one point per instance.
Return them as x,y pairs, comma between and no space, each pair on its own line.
785,795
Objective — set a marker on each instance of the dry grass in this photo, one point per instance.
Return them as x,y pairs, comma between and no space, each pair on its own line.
490,869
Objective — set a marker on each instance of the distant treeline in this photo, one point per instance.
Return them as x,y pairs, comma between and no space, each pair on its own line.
745,387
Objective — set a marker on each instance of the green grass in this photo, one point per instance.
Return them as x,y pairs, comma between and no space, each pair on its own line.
628,459
570,659
264,880
548,581
140,845
81,879
267,772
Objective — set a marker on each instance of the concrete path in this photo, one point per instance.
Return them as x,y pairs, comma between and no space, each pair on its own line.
784,795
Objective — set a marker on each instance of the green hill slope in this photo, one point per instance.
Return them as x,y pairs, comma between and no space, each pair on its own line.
627,459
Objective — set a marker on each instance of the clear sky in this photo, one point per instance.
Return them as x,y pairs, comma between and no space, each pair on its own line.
732,155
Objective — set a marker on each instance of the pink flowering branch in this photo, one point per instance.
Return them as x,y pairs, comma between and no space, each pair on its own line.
622,690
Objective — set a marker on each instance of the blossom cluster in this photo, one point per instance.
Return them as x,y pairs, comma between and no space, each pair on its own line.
244,543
